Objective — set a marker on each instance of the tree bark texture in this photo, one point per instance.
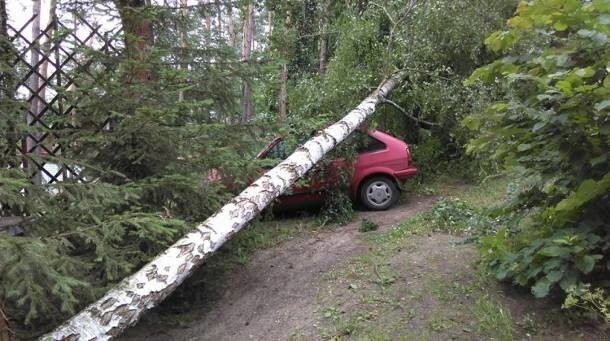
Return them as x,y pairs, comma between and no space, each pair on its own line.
230,25
323,53
139,37
208,20
31,140
283,76
219,19
283,96
123,305
246,52
183,41
46,50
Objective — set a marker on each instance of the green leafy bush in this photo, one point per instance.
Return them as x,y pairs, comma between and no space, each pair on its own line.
457,216
367,226
552,129
452,215
595,301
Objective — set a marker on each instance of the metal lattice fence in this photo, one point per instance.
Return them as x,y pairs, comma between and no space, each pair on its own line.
50,65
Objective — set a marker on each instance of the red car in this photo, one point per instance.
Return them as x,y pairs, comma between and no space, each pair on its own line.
382,164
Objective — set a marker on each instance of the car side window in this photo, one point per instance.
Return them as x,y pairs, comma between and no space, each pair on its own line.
370,144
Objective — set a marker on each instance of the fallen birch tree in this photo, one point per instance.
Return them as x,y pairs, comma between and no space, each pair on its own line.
123,305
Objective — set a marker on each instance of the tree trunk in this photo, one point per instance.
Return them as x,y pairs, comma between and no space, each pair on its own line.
46,50
139,37
208,20
283,96
270,23
31,140
283,77
246,52
219,18
123,305
183,41
230,25
323,53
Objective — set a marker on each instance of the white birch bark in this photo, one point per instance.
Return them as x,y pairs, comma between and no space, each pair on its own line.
123,305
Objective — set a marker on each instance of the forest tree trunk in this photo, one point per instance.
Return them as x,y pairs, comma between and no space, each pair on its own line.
139,37
31,140
46,50
323,53
219,18
283,96
230,25
246,52
283,76
183,42
123,305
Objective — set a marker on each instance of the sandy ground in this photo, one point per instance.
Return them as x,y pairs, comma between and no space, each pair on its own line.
276,292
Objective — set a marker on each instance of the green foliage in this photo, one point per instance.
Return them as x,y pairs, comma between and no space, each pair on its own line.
143,155
452,215
367,226
595,301
494,319
338,207
552,128
437,42
457,216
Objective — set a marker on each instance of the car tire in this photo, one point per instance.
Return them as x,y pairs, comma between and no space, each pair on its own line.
378,193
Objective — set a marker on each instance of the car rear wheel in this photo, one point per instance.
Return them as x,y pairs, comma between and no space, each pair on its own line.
378,193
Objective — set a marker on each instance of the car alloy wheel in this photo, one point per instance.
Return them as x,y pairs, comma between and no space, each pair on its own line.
378,193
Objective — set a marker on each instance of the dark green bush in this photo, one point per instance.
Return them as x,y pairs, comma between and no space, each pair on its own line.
552,130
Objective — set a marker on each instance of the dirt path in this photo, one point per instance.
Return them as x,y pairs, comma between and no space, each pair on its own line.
276,293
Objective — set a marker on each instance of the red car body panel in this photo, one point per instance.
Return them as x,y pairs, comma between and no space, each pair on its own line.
390,158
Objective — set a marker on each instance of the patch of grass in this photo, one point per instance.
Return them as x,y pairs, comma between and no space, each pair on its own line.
297,335
487,194
493,319
378,299
438,322
395,238
367,226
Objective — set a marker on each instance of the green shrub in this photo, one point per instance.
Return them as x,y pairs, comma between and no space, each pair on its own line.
451,215
595,301
552,130
338,208
367,226
456,216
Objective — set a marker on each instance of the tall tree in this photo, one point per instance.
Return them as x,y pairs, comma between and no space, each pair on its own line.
246,52
31,141
139,36
183,41
49,28
230,24
323,53
219,19
283,76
